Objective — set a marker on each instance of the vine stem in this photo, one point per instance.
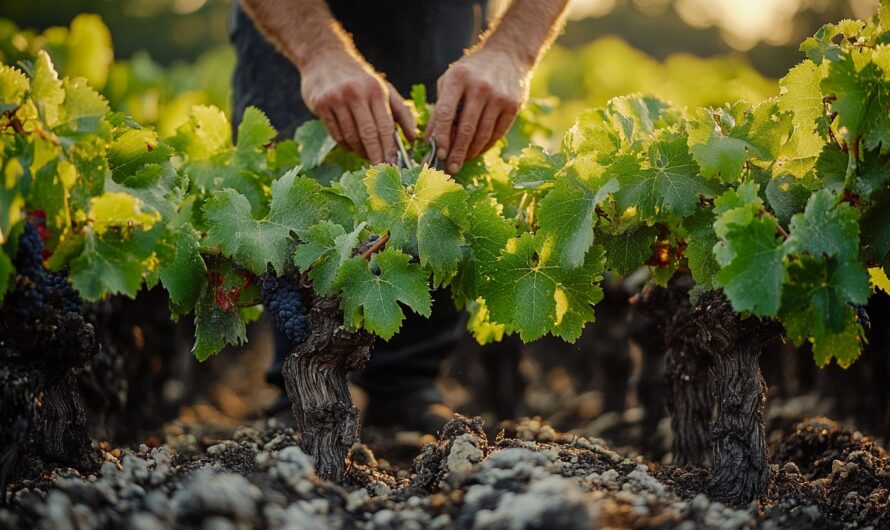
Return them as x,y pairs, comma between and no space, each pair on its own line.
379,244
782,231
852,164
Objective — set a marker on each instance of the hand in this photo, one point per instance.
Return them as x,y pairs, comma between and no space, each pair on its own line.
479,97
356,105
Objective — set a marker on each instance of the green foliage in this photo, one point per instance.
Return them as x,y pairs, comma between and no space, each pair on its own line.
782,204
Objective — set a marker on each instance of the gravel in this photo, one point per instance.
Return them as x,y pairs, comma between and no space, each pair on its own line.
260,478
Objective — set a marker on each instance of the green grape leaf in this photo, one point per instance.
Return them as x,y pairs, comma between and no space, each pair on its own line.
255,131
786,196
628,250
297,204
182,269
862,99
752,269
106,266
133,149
718,153
46,90
315,143
487,234
215,327
536,168
85,112
670,184
816,304
13,86
827,227
208,176
566,214
427,215
532,294
327,245
802,96
89,50
700,240
204,135
371,300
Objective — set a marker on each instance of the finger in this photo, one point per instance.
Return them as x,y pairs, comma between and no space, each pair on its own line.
367,131
467,124
402,114
348,128
484,130
444,114
505,120
330,122
386,129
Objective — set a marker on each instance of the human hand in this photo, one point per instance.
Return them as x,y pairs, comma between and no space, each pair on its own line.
479,97
358,107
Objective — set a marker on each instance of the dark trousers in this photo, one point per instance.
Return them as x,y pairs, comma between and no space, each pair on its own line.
411,42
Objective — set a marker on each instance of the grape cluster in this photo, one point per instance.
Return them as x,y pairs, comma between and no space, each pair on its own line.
862,316
366,246
282,298
38,286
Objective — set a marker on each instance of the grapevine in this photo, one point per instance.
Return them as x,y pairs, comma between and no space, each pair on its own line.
778,209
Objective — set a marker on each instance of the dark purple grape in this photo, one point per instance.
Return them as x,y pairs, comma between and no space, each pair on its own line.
282,298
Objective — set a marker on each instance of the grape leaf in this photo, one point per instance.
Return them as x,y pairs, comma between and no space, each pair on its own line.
628,250
816,303
752,274
535,167
122,211
827,227
182,269
315,143
132,150
106,267
297,204
566,214
13,86
714,143
670,184
487,234
427,215
700,240
214,327
802,96
204,135
370,300
46,90
327,245
862,99
530,292
83,112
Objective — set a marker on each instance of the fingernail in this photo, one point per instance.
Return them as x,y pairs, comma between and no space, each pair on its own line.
454,168
441,153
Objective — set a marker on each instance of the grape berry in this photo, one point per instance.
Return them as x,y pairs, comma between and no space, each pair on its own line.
39,287
282,298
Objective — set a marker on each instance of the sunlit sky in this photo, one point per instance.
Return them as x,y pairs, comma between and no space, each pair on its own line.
743,23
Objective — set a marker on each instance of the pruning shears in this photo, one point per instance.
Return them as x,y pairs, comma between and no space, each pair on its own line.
405,159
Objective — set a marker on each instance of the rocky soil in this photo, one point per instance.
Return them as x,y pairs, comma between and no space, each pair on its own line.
530,476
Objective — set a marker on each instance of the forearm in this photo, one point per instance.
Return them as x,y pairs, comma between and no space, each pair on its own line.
301,30
526,29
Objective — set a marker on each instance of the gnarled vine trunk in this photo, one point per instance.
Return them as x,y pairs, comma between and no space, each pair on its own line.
687,385
740,460
316,377
41,412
